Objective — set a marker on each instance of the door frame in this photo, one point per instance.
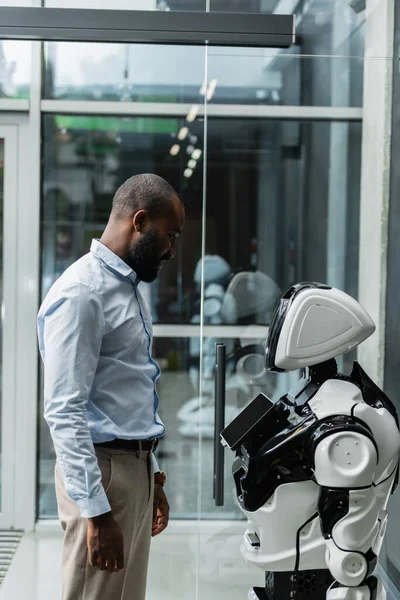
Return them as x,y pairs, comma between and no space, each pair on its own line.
21,214
8,133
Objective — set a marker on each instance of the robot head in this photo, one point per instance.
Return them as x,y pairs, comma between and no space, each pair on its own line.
313,323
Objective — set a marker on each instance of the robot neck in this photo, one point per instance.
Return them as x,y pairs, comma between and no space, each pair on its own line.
323,371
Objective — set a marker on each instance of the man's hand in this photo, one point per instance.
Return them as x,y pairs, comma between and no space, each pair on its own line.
105,543
160,510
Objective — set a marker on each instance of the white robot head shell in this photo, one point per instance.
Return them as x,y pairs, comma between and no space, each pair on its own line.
314,323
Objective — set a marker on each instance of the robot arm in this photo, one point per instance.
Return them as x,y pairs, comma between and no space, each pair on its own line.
345,460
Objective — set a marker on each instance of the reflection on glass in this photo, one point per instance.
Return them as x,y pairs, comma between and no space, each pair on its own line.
151,73
85,161
282,206
298,76
301,75
15,66
283,201
122,73
273,78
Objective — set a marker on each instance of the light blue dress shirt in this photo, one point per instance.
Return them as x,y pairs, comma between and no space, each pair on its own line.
95,337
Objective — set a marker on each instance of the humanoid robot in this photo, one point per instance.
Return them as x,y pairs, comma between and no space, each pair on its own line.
314,471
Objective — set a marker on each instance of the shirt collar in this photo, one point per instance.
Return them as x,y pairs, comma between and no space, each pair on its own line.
113,261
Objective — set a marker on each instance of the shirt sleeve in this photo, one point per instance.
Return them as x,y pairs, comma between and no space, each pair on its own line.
71,330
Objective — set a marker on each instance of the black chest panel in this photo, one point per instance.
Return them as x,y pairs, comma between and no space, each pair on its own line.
264,463
282,449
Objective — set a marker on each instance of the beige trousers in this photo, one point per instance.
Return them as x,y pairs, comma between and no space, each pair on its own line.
129,484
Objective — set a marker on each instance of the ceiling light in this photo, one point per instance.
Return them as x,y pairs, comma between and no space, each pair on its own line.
193,112
211,88
203,88
188,173
175,150
190,150
192,163
196,154
183,133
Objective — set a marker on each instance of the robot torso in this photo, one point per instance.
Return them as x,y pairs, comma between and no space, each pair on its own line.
322,467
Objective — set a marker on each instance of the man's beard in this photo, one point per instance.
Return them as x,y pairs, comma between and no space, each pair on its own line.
145,258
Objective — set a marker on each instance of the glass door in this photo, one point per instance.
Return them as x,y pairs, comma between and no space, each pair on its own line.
8,214
282,206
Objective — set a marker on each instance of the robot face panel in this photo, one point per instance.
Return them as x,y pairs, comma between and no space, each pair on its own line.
312,324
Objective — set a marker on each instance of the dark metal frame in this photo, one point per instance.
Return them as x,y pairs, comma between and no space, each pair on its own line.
150,27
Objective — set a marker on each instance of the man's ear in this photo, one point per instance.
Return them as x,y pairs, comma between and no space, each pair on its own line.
140,220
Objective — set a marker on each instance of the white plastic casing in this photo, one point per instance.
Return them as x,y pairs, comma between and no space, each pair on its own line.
276,525
320,324
358,593
349,568
345,460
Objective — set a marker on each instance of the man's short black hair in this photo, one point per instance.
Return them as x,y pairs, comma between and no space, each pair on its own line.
147,192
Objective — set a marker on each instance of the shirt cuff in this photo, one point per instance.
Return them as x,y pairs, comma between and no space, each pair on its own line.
93,507
156,468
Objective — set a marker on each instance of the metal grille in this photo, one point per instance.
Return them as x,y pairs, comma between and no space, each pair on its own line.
307,583
9,541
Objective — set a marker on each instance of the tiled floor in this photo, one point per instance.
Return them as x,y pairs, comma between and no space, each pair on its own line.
174,571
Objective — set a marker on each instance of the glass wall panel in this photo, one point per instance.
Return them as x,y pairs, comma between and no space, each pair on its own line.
279,196
117,72
282,206
152,73
15,64
269,78
275,214
261,76
305,74
283,203
284,197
